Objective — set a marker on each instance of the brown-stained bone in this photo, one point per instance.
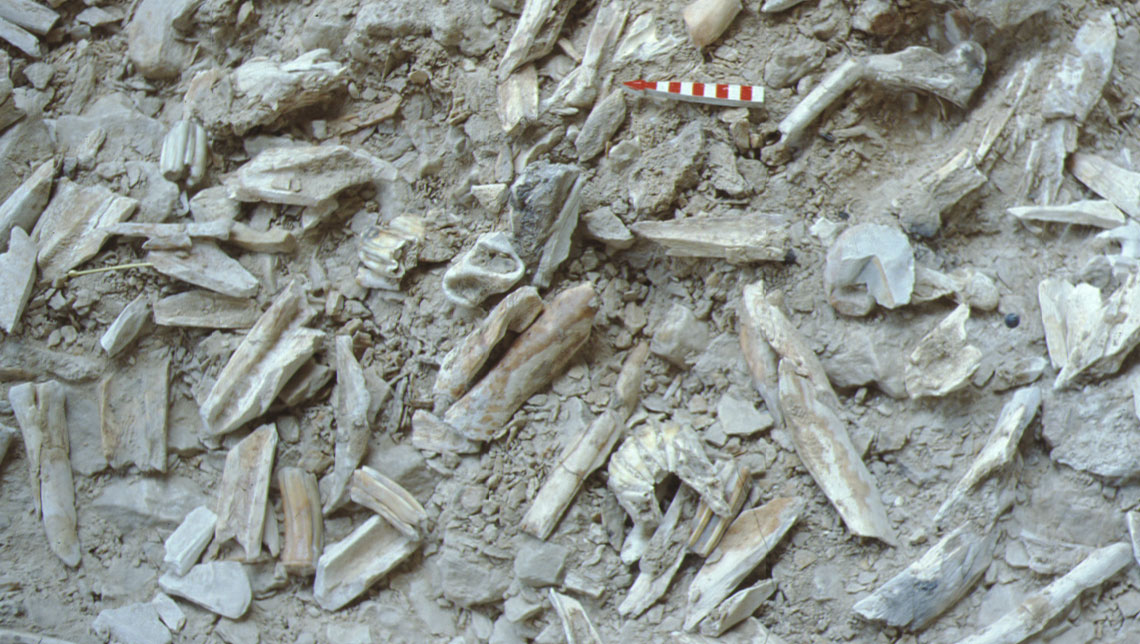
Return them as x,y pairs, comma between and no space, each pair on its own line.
244,490
387,498
304,525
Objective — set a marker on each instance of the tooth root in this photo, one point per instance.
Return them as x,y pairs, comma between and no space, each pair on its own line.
304,524
387,498
709,527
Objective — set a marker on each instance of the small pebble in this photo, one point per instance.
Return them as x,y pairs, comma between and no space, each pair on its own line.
1012,320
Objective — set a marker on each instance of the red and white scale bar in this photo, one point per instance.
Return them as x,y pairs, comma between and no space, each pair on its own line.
713,94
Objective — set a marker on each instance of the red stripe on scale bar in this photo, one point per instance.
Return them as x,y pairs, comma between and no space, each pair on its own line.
674,87
722,91
698,89
746,92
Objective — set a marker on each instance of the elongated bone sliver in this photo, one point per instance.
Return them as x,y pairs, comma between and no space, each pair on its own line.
1040,609
532,362
350,566
944,360
245,490
304,524
387,498
352,421
749,539
663,557
738,239
576,622
737,608
1091,212
821,97
1114,183
709,527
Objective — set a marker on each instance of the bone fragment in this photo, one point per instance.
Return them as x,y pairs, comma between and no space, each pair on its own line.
706,20
737,608
1133,520
72,228
749,539
133,403
1098,213
244,490
23,207
1000,447
431,434
921,205
20,39
932,584
386,253
542,352
6,436
126,326
576,624
1089,338
1042,608
163,235
32,16
578,88
600,126
776,6
869,263
352,421
205,309
304,526
349,567
536,33
306,175
953,76
1068,314
490,266
943,361
18,275
1081,76
272,351
387,498
1120,186
834,85
185,545
738,239
518,98
207,266
40,412
709,527
221,587
274,240
809,407
662,558
185,153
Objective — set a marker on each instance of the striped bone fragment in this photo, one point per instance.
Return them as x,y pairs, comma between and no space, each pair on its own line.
272,351
133,403
536,33
738,607
1042,608
808,406
944,360
207,266
1089,338
706,20
576,624
738,239
459,367
387,252
353,421
185,545
73,227
663,556
352,565
304,525
749,539
431,434
41,414
244,491
518,98
932,584
724,94
185,153
387,498
708,526
538,355
1000,447
588,451
22,208
489,267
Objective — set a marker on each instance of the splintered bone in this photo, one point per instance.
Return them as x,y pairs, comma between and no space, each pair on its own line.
739,239
953,76
1097,213
944,360
576,624
133,403
72,228
1088,338
706,20
1120,186
518,98
185,153
577,89
489,267
834,85
352,421
304,525
708,526
18,274
244,490
24,206
738,607
663,556
185,545
126,326
536,32
207,266
385,497
386,253
352,565
306,175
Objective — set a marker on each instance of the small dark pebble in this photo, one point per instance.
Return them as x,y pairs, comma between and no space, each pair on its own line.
1012,320
842,214
827,136
789,257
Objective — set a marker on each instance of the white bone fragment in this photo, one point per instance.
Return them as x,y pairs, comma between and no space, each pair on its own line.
542,352
40,412
492,196
352,421
709,527
23,207
349,567
1098,213
1120,186
871,256
1008,13
274,240
184,153
205,309
1098,336
431,434
834,85
221,587
1128,236
706,20
1067,313
515,312
798,389
776,6
576,624
185,545
1040,609
20,39
307,175
536,33
218,229
587,452
1000,447
386,253
1081,75
72,228
169,612
518,98
600,126
133,403
1133,520
134,623
244,490
932,584
738,607
387,498
738,239
491,266
661,560
18,275
749,539
126,326
272,351
921,205
944,360
577,89
207,266
32,16
953,76
304,525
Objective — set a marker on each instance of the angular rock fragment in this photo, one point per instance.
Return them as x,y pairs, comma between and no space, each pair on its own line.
185,545
353,425
538,29
23,207
244,490
737,608
351,566
798,388
72,228
544,213
214,203
221,587
272,351
30,15
148,502
491,266
1000,447
207,266
536,357
738,239
600,126
576,624
932,584
680,336
587,452
304,525
309,175
18,275
387,253
205,309
1114,183
706,20
462,364
944,360
169,612
154,45
126,327
185,153
664,553
40,411
261,91
749,539
873,257
20,39
539,565
663,172
603,225
1040,609
739,417
132,413
135,623
385,497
